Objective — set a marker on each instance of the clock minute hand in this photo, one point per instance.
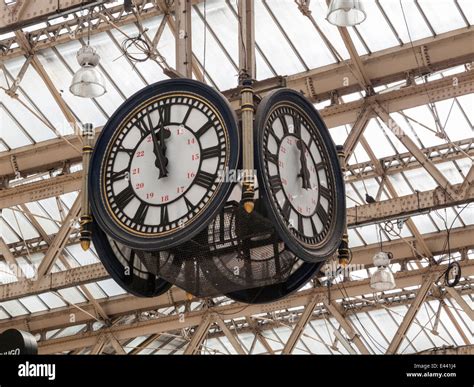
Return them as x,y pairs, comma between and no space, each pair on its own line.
164,134
304,173
160,161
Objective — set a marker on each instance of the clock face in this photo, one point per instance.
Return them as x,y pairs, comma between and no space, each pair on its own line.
162,163
300,174
146,198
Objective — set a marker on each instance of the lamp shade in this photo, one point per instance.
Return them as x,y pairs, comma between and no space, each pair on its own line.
346,13
382,280
88,82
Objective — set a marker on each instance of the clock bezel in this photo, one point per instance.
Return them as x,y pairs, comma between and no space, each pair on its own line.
135,285
100,205
294,100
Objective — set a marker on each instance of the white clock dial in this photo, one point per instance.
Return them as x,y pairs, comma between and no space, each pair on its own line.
297,174
303,200
180,174
162,164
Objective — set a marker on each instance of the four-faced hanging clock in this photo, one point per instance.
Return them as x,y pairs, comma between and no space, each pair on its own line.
156,172
299,175
156,181
125,267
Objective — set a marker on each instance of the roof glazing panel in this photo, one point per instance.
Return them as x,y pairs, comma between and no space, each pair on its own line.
20,127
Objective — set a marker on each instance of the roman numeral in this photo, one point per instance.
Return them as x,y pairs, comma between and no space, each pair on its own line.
142,126
286,209
211,152
273,134
124,197
284,125
300,223
313,226
127,151
165,114
204,129
140,215
186,116
164,216
150,123
322,215
319,166
116,176
275,183
189,205
325,192
297,126
204,179
271,157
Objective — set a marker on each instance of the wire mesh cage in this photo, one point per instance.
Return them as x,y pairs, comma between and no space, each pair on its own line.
237,251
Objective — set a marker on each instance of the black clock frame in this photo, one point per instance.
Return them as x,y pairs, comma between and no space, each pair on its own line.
197,223
152,286
329,244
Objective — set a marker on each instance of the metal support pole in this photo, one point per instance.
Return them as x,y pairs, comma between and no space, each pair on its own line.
200,334
461,301
183,38
88,136
301,325
233,340
347,326
247,38
411,313
343,250
246,79
247,109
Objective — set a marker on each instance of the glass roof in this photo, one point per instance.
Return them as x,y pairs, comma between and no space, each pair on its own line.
287,44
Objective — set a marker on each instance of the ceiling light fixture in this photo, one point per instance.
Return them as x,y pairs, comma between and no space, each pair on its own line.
88,81
382,279
346,13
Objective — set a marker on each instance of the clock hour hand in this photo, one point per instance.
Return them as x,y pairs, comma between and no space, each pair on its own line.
160,161
304,172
